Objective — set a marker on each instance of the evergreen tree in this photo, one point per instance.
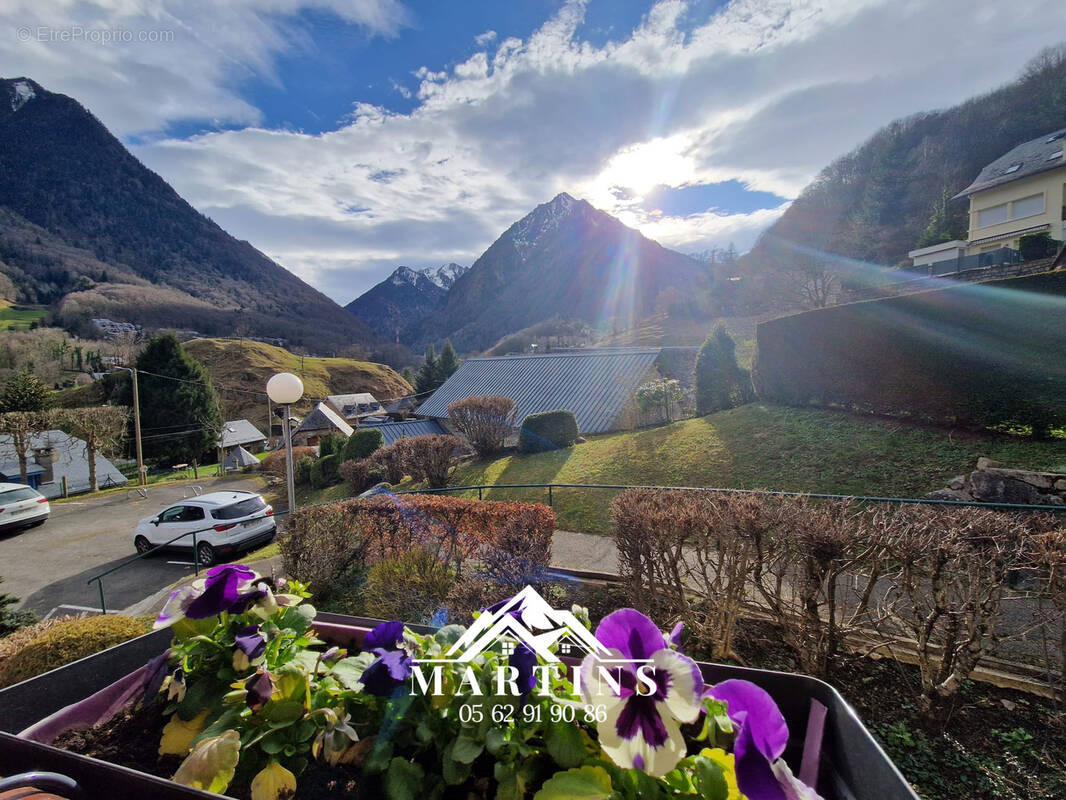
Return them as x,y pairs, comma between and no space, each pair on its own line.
720,381
447,363
945,224
426,380
180,414
24,391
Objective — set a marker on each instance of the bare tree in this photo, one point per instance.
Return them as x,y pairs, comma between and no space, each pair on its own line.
102,429
22,427
485,420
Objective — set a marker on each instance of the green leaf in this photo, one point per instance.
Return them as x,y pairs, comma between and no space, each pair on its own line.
280,713
564,744
211,765
495,739
200,696
449,634
710,777
466,750
378,760
348,671
403,780
592,783
272,744
454,772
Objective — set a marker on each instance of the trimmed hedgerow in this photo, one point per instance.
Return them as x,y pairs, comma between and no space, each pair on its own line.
362,473
411,586
362,443
322,543
548,430
274,464
66,642
326,471
972,354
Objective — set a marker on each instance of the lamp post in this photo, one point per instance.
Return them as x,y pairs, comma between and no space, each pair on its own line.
285,389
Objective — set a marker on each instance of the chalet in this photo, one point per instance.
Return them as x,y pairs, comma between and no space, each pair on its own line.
241,433
1022,192
354,407
52,458
322,421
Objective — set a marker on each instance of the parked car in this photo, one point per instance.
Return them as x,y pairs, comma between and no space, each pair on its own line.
224,523
21,507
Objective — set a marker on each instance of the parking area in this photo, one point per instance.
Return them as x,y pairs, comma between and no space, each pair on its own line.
49,566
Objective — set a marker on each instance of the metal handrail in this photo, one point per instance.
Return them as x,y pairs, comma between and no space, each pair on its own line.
195,557
480,488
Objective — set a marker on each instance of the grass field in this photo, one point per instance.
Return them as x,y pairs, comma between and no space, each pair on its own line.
18,319
756,447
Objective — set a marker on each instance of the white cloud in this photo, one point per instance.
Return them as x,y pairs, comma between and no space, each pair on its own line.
765,92
486,38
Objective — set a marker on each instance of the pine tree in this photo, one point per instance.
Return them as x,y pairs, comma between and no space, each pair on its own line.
180,414
426,381
447,363
720,381
24,391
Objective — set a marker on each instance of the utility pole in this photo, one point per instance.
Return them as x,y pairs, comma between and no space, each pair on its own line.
142,479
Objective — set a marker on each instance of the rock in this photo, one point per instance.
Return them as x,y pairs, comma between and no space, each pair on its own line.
958,482
1052,500
1037,479
1009,704
984,463
992,488
949,494
1060,485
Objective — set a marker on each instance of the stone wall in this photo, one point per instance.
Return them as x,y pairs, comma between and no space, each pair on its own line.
993,482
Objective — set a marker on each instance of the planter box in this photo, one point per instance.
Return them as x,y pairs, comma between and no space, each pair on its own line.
853,766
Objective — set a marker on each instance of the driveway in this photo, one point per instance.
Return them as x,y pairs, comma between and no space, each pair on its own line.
47,567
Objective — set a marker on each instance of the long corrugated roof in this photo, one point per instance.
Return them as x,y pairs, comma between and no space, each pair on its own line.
594,384
394,431
1029,158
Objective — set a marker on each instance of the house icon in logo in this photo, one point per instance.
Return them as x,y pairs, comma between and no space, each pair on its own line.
526,619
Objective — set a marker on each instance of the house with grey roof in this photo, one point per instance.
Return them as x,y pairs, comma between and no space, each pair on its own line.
322,421
394,431
241,433
1021,193
598,385
353,407
52,457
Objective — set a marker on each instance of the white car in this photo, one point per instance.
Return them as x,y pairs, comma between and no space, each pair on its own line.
21,507
224,523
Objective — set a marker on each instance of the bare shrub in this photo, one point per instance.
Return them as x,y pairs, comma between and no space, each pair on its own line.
362,473
411,586
947,586
484,420
1049,560
431,458
392,459
274,464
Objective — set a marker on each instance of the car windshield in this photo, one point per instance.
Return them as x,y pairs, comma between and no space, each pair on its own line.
242,509
14,495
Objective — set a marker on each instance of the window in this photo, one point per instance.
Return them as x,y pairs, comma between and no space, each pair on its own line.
1055,156
172,514
1013,168
192,514
1027,206
242,509
15,495
992,216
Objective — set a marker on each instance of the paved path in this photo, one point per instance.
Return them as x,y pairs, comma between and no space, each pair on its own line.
48,566
584,551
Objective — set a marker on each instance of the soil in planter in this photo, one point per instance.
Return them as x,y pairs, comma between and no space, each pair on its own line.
129,739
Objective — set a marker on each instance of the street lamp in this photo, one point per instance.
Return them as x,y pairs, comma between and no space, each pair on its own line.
285,389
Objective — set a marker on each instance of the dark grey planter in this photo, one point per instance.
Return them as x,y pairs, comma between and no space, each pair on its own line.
852,767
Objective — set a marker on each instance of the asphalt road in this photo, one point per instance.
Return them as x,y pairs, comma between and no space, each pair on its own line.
48,566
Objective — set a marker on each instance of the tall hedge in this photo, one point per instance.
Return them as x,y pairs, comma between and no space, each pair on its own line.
973,354
362,443
548,430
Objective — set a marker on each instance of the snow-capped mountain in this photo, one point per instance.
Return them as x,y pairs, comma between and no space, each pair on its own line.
403,298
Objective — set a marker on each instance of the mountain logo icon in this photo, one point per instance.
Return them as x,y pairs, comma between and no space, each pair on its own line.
526,618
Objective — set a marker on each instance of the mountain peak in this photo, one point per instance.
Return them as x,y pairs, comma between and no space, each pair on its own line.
20,91
529,230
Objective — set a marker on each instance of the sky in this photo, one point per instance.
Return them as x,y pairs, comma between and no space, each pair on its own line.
344,138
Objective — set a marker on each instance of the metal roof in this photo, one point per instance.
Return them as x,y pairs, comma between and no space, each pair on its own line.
352,405
70,461
239,457
394,431
324,418
1028,158
240,431
594,384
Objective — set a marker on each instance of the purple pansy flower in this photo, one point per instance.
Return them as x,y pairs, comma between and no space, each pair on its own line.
221,591
251,644
390,671
386,636
260,687
525,661
660,688
761,738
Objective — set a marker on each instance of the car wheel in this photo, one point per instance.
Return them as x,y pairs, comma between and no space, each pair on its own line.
205,554
142,545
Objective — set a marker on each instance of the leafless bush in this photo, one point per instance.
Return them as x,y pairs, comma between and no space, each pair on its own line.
1049,559
485,420
947,586
431,458
392,459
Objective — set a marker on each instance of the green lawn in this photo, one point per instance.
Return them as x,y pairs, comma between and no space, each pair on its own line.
756,447
18,319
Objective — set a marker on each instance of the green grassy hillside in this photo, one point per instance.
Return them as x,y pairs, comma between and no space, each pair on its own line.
757,446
